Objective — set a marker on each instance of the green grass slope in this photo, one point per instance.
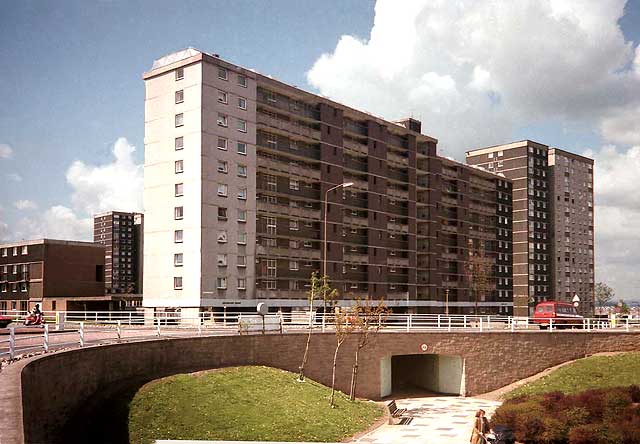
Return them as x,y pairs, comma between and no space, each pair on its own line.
244,403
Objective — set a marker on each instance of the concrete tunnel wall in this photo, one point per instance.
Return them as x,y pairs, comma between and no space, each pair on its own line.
491,360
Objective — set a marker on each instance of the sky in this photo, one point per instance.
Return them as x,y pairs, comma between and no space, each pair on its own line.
565,73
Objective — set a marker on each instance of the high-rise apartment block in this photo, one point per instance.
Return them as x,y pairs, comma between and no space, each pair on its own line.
552,221
121,234
571,181
239,166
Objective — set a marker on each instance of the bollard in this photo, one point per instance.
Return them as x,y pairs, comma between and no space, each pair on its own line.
45,345
119,331
12,342
81,333
158,330
60,319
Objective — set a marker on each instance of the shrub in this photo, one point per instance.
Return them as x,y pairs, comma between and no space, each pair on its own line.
634,392
585,434
530,425
576,416
555,431
614,404
629,431
593,401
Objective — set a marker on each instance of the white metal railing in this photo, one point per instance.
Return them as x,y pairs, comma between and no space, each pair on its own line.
79,329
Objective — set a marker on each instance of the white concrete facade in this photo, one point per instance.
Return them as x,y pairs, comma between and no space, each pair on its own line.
186,94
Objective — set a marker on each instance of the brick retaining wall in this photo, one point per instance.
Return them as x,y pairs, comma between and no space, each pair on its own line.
38,395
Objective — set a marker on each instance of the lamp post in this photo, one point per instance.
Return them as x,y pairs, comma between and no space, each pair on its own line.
324,239
446,306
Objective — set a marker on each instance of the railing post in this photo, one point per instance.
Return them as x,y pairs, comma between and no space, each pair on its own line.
439,322
464,321
281,318
588,324
81,334
488,322
512,324
480,325
199,329
129,318
550,325
119,330
324,320
449,323
45,345
12,342
627,325
409,322
158,330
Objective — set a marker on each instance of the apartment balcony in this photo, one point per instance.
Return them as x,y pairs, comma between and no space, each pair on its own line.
397,244
288,167
449,229
356,202
355,127
354,257
355,220
422,181
299,212
397,261
488,235
485,209
398,194
357,182
396,209
288,126
355,146
358,239
397,227
288,106
398,175
448,172
449,201
352,163
397,158
310,193
398,278
397,295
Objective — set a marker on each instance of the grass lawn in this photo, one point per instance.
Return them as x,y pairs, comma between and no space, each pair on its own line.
244,403
589,373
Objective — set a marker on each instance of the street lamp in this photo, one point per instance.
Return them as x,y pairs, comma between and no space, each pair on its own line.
324,240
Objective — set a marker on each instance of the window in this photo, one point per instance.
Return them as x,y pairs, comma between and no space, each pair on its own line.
272,184
242,103
177,260
14,269
242,215
222,143
179,166
179,120
294,225
25,249
242,238
223,120
223,189
179,189
294,184
222,260
242,194
222,237
242,170
223,97
178,213
222,213
294,266
271,285
242,261
242,125
177,283
223,166
177,236
271,268
242,284
242,81
223,73
4,252
179,73
179,143
221,283
294,244
180,96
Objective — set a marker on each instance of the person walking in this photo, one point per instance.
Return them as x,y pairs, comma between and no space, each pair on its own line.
480,428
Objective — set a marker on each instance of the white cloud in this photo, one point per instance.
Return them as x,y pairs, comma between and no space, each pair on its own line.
617,218
621,125
14,177
95,188
25,204
6,152
472,70
116,186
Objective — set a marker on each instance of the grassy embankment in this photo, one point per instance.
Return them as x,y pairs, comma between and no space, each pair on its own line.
244,403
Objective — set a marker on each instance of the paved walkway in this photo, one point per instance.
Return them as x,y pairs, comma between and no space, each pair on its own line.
436,420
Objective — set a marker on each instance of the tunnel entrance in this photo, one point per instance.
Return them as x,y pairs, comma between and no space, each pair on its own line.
409,375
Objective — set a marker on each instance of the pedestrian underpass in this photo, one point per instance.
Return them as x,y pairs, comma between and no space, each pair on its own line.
421,374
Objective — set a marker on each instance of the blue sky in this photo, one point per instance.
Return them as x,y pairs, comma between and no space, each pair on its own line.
475,72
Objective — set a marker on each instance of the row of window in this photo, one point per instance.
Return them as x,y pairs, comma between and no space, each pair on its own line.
23,250
221,283
223,74
4,287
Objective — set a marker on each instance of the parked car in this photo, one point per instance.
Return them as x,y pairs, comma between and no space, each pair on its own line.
563,314
4,321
